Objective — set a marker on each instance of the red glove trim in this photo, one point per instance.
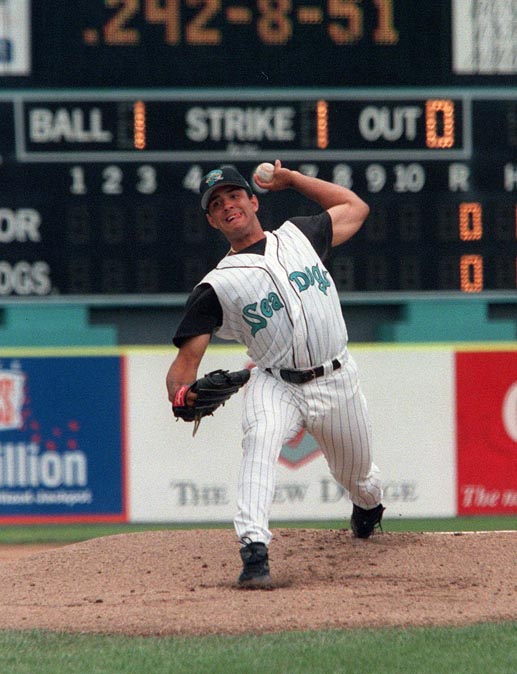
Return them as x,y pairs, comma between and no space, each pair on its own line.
181,395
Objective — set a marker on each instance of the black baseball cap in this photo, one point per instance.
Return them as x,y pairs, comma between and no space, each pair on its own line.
225,175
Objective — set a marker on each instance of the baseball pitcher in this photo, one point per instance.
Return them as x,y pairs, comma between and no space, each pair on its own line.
272,293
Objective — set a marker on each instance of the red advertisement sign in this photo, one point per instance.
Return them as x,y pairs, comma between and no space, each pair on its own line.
486,400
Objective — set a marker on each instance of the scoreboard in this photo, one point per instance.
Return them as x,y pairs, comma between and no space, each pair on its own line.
127,103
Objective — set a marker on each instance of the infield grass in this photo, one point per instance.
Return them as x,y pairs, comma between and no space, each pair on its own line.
480,649
73,533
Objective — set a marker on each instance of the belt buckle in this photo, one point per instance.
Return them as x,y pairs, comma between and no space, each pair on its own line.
298,376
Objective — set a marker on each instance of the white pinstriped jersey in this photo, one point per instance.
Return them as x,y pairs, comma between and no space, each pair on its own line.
282,305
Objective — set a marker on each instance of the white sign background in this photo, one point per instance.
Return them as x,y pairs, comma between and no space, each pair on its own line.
175,477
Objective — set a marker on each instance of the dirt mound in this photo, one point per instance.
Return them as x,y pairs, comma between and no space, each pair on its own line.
183,582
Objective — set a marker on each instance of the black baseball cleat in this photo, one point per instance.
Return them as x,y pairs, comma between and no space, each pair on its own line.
255,572
363,521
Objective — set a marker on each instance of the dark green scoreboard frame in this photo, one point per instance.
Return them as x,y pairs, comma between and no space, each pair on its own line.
129,102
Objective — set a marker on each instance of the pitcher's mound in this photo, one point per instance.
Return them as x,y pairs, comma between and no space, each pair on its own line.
184,582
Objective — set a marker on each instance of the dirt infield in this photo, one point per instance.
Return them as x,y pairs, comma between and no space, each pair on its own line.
183,583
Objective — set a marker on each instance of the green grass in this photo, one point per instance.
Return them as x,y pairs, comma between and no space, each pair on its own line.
72,533
480,649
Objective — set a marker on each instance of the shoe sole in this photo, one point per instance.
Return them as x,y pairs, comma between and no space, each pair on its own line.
260,582
356,535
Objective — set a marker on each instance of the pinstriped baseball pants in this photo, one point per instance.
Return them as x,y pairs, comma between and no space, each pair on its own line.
333,410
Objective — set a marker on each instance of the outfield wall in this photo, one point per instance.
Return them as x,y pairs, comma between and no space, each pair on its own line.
88,435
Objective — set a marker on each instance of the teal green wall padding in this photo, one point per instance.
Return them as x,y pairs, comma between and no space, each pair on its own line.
446,321
28,325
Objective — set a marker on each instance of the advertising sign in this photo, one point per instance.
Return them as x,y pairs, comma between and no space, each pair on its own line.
486,390
177,477
61,440
91,437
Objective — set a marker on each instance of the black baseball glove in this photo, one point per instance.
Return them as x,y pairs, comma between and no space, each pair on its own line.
212,390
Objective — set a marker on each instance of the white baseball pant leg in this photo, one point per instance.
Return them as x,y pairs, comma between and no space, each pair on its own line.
338,419
270,419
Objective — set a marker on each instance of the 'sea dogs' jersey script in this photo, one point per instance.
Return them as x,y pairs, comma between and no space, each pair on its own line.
261,299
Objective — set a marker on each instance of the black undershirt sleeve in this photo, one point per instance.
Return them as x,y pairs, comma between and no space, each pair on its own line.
318,229
203,314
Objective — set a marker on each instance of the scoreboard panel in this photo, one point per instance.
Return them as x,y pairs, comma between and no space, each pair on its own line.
127,103
267,43
99,190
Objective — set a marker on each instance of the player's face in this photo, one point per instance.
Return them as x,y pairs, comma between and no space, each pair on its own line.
233,212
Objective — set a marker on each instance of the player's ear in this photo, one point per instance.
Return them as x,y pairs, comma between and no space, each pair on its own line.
211,221
255,202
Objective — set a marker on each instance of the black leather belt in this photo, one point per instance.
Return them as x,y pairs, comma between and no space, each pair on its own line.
303,376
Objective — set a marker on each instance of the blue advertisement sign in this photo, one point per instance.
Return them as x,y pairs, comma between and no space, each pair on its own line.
62,454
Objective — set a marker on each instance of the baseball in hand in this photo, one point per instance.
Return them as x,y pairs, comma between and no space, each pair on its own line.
265,171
